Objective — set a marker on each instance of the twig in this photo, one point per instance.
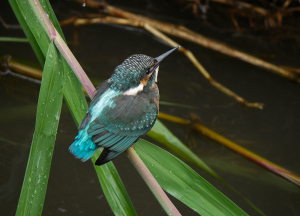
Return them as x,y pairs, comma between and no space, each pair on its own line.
76,67
9,26
295,70
286,4
168,40
196,38
235,147
201,40
25,70
160,195
73,19
244,5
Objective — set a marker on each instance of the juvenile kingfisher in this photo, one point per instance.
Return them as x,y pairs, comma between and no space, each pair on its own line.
123,109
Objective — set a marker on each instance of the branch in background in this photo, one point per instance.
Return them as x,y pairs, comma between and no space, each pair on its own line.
235,147
172,43
9,26
272,17
244,5
7,64
189,35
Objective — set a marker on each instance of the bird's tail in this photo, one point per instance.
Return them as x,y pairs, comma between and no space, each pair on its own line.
83,147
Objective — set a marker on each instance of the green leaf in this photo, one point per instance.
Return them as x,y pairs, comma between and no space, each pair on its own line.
48,112
33,23
48,9
38,52
73,95
13,39
163,135
113,188
182,182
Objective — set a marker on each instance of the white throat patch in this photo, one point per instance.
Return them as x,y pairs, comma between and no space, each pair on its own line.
156,73
135,90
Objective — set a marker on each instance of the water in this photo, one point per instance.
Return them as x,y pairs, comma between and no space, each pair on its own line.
73,187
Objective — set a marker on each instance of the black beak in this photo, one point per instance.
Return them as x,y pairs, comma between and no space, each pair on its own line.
163,56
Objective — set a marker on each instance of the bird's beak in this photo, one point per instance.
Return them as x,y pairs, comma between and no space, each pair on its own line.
160,58
163,56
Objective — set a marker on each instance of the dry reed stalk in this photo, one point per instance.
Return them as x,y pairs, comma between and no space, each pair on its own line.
172,43
235,147
195,38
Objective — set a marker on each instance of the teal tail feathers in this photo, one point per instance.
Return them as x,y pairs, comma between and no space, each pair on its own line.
83,147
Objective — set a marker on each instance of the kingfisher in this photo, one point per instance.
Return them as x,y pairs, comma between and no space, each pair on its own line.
123,109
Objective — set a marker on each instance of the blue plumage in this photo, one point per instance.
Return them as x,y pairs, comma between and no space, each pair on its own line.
83,147
123,109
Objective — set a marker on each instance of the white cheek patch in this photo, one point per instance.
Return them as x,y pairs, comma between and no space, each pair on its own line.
156,73
135,90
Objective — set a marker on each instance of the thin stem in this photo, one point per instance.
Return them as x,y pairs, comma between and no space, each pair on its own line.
73,63
158,192
43,18
62,46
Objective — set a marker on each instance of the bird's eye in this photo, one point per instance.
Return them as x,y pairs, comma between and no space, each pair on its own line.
149,71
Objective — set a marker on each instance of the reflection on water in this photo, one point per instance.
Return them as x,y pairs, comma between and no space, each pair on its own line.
73,186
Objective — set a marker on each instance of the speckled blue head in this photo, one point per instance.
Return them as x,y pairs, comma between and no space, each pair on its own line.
136,68
131,71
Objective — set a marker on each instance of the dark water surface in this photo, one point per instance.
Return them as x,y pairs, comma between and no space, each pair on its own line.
73,187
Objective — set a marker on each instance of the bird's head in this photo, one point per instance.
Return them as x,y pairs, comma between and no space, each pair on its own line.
137,73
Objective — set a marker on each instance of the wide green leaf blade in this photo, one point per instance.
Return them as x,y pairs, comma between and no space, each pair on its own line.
48,112
110,181
182,182
34,25
163,135
38,52
73,95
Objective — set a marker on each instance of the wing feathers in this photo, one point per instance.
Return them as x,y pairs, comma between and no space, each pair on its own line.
106,156
110,141
119,122
123,144
99,137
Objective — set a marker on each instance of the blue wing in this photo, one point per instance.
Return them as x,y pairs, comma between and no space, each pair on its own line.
116,127
83,147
